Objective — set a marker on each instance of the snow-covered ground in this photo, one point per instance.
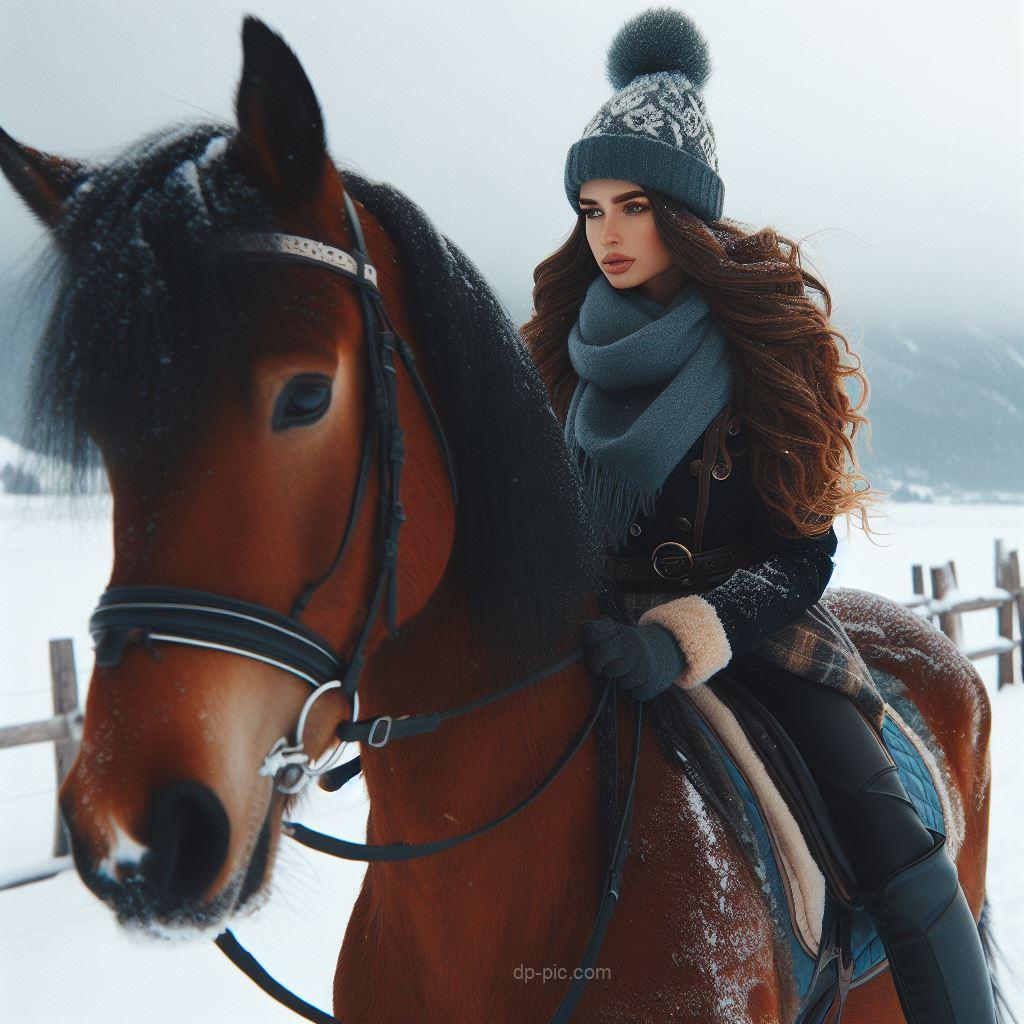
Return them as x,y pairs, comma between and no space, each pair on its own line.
63,960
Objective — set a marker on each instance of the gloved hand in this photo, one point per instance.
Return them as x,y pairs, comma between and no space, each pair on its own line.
643,660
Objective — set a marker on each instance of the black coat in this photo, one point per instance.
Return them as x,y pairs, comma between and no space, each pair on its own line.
786,576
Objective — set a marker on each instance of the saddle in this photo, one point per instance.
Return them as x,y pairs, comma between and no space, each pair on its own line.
834,942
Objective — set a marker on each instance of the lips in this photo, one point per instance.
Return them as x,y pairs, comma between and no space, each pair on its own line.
618,265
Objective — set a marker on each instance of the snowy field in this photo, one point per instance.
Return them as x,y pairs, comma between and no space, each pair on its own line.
63,960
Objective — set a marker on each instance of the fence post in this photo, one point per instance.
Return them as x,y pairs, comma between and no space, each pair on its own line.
64,684
917,575
1004,613
1013,584
944,581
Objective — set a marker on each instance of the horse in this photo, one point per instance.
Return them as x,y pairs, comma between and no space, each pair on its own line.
229,401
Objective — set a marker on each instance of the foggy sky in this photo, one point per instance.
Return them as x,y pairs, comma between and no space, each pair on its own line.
889,135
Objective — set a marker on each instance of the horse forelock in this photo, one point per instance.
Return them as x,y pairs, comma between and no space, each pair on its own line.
139,318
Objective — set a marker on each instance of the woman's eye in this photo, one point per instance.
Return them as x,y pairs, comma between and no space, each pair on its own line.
303,400
638,207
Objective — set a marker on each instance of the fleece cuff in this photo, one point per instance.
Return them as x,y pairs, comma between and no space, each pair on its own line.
700,634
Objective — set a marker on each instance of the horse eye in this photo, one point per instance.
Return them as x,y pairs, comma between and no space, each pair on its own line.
303,400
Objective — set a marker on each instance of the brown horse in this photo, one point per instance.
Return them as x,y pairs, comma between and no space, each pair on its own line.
230,402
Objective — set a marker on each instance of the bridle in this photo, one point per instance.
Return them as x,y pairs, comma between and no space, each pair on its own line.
144,614
201,619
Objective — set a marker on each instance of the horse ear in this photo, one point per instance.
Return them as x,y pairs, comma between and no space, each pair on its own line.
281,129
42,181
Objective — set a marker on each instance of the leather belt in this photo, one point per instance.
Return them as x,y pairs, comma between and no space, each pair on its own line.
673,566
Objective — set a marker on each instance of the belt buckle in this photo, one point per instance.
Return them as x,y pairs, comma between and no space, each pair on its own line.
671,560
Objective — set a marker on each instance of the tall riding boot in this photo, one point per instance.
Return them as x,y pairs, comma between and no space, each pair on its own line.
932,942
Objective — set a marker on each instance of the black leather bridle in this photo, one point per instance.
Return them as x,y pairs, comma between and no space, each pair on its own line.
144,614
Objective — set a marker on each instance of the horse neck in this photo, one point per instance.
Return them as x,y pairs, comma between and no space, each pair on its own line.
524,893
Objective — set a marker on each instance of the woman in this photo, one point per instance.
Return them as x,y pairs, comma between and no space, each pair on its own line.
702,393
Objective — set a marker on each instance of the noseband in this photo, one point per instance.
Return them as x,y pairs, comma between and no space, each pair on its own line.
196,618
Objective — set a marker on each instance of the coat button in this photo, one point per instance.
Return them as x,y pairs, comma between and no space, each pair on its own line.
734,429
696,466
684,524
635,530
720,471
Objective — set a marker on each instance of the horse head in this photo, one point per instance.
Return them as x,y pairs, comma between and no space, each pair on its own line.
230,401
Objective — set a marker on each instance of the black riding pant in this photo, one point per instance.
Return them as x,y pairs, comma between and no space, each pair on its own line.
877,822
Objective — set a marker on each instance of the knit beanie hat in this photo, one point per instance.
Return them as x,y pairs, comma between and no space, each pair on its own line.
654,130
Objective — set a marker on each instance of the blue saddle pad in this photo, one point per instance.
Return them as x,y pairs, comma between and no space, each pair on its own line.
865,943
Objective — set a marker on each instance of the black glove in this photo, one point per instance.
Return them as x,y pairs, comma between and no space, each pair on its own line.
643,660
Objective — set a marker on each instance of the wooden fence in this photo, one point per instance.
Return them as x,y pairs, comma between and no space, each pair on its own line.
944,606
63,730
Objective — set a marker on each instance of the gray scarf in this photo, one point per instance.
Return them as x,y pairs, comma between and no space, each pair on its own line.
651,379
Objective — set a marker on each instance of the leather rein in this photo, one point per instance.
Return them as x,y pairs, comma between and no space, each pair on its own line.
144,614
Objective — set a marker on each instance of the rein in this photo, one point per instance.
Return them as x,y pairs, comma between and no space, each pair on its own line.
144,614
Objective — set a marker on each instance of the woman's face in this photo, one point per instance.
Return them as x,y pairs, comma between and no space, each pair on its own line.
621,233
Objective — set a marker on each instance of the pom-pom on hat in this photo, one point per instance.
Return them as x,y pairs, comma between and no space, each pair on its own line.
655,129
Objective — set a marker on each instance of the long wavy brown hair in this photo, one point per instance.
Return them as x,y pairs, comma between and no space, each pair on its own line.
785,354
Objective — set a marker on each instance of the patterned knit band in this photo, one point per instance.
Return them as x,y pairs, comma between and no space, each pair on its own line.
655,130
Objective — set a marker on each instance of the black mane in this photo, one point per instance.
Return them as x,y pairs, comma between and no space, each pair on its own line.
140,319
143,320
523,540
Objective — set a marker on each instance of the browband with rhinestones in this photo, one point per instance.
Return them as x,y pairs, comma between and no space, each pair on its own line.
302,250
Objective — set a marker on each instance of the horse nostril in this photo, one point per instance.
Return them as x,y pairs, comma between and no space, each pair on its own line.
188,835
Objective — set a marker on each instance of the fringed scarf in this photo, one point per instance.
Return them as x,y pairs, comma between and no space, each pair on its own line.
651,379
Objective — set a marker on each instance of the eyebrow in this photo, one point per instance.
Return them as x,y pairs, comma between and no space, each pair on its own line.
615,199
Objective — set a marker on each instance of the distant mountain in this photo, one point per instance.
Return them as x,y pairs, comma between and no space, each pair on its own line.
946,404
947,412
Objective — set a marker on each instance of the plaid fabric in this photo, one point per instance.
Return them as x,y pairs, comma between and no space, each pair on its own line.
815,647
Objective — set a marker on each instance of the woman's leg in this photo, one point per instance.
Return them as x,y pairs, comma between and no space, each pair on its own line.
909,883
874,816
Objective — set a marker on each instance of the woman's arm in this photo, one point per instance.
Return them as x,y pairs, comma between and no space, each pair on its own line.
753,603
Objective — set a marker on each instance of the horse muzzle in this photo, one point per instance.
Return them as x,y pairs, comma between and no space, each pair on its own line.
160,883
